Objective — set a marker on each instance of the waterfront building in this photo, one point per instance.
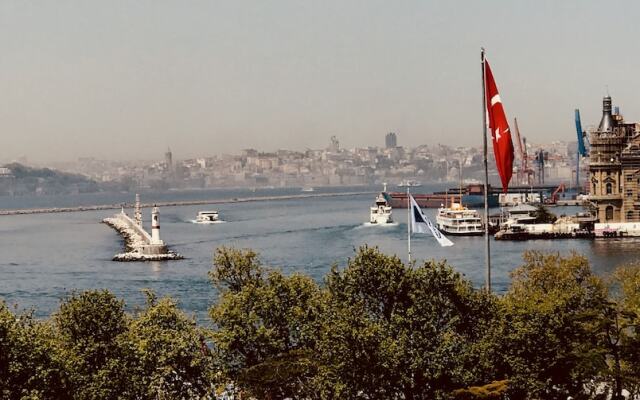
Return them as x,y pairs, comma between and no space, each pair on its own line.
614,167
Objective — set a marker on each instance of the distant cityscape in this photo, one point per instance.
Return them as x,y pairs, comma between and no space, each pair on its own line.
331,166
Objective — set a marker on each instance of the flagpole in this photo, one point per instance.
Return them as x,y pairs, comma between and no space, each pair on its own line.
486,176
408,225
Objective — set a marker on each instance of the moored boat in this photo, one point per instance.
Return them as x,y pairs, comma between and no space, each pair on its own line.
459,220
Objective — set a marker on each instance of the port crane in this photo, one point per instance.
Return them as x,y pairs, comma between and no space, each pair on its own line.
582,149
524,171
554,195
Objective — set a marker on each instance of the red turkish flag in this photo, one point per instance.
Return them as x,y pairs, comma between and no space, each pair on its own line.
499,128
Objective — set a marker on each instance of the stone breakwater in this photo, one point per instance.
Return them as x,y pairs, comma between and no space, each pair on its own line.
174,203
137,242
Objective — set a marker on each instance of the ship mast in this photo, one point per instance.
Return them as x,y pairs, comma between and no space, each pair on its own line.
460,184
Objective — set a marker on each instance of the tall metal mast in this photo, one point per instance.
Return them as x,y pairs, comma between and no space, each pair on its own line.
486,176
409,210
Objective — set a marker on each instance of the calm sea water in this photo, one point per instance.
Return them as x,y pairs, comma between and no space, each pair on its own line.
43,257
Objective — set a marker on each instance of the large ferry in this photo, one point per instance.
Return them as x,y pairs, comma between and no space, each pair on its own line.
472,195
381,212
459,220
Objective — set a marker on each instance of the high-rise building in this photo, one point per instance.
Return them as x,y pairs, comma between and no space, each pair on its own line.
390,140
614,167
168,160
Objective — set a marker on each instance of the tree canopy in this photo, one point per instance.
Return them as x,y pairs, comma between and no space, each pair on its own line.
374,328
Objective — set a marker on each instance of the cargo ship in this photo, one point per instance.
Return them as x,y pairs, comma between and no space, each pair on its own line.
472,196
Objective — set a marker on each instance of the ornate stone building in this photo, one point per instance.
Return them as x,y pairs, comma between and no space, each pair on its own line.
614,167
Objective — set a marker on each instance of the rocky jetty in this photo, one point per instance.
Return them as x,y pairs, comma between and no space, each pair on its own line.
138,246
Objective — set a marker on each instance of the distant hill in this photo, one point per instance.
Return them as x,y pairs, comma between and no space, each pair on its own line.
27,180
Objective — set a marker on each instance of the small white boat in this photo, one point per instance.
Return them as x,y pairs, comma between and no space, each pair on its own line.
459,220
307,189
381,212
409,183
207,217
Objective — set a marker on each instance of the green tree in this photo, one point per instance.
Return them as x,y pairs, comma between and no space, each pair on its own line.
266,325
620,327
88,326
168,356
31,365
550,331
394,331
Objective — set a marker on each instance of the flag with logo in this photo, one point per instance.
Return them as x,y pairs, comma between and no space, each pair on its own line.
499,128
421,224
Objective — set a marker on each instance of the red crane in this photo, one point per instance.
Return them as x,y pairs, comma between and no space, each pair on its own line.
554,195
524,172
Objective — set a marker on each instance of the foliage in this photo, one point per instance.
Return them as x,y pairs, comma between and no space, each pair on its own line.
543,215
89,325
267,325
30,365
171,357
376,329
394,331
619,331
549,327
30,179
91,349
493,390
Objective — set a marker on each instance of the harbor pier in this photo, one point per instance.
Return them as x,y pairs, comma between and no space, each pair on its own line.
139,244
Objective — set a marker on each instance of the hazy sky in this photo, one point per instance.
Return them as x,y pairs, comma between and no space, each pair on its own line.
127,79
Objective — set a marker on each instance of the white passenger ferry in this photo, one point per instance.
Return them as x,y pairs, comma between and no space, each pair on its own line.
459,220
381,212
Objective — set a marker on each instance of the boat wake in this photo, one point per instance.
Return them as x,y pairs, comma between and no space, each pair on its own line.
369,224
193,221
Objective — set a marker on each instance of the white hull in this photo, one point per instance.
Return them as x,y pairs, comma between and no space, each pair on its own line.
409,183
207,217
459,220
381,219
380,213
195,221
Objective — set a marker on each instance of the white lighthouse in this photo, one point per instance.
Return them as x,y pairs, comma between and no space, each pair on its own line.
155,227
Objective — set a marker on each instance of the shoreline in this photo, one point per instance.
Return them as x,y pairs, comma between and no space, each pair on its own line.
102,207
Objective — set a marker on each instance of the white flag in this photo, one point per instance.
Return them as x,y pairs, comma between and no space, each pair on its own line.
420,223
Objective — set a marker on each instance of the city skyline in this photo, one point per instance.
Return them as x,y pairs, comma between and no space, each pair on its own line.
126,81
